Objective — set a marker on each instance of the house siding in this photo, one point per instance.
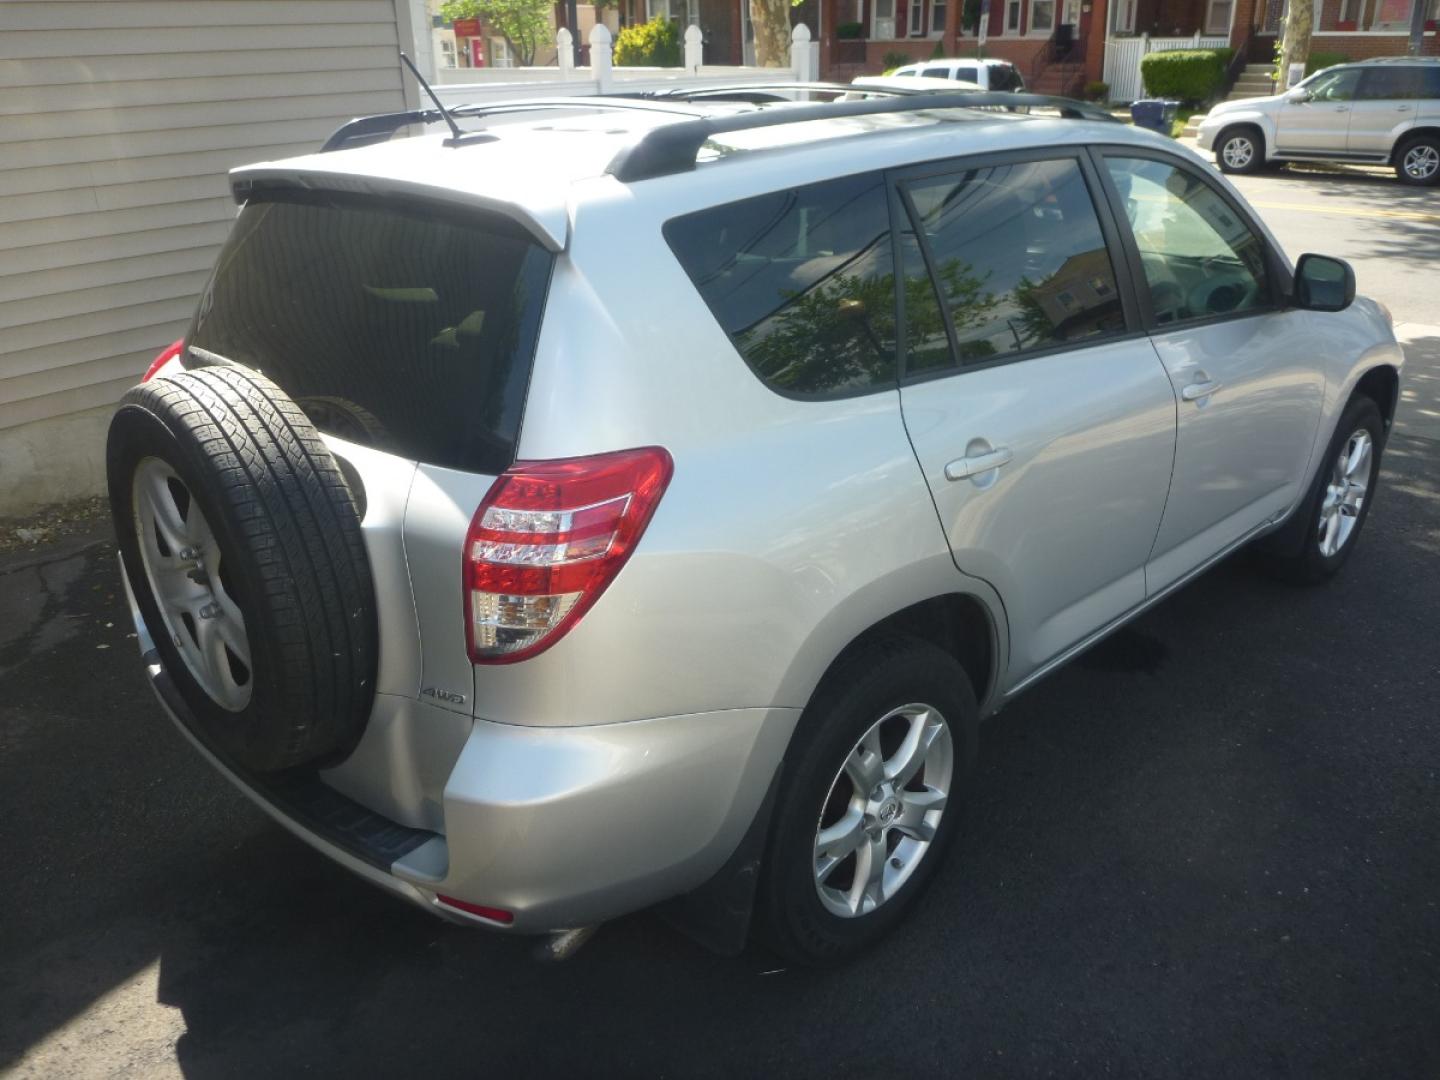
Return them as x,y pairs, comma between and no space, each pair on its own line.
118,123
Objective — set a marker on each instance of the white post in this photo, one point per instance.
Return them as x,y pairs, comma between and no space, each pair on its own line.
600,57
1197,39
800,54
565,52
694,49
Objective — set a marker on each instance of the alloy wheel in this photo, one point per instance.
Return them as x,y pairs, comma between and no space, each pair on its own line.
1238,152
1345,493
1421,162
882,810
183,566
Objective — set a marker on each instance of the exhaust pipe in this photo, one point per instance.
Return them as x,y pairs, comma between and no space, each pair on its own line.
560,946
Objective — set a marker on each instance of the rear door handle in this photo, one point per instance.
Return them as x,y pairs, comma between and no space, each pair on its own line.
963,467
1402,108
1198,390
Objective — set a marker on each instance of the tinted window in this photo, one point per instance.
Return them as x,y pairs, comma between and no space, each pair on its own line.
1430,81
802,282
1336,85
937,72
968,74
402,328
1019,258
1382,83
1200,258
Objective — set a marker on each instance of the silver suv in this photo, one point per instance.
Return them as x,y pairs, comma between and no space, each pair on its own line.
634,502
1379,112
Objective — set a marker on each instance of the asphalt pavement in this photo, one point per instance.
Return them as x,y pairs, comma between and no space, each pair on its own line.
1212,845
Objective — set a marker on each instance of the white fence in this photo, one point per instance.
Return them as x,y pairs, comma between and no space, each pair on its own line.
602,77
1123,56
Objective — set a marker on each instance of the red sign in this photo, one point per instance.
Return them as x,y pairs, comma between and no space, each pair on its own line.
467,27
477,52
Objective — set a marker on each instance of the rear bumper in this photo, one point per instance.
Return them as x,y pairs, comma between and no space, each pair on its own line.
560,827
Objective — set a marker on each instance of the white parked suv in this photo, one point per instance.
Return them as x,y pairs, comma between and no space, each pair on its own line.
1381,112
634,502
988,74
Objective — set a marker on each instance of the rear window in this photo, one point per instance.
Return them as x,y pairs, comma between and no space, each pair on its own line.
802,281
401,326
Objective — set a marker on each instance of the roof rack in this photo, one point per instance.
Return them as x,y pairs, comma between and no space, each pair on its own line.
365,130
672,148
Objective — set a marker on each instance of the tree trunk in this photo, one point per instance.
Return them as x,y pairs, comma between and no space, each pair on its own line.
1295,46
771,19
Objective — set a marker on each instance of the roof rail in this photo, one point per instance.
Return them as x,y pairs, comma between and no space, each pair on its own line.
672,148
365,130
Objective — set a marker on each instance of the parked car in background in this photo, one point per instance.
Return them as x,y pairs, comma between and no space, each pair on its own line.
911,83
1383,111
987,74
553,520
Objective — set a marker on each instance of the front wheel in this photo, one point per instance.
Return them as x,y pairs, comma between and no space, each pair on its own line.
1239,150
1327,524
870,797
1418,161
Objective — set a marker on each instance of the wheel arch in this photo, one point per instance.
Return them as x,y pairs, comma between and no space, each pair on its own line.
1382,385
1409,136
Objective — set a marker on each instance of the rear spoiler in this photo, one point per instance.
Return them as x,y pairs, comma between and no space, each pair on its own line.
547,222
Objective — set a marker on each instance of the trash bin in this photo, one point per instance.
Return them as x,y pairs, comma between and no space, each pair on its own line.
1155,114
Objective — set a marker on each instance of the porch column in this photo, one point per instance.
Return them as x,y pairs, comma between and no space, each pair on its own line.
829,12
1094,30
952,26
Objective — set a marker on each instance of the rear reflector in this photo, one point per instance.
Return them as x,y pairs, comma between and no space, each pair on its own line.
547,541
164,358
491,913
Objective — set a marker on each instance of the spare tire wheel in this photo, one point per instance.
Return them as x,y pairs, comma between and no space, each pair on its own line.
243,547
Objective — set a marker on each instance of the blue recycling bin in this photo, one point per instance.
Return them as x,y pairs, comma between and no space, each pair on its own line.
1154,113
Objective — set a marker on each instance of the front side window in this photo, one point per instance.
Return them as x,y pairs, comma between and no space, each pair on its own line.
1337,85
1019,258
967,74
802,283
1200,258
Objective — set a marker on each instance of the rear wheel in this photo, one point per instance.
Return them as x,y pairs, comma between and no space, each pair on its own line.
1417,161
243,549
1240,150
870,798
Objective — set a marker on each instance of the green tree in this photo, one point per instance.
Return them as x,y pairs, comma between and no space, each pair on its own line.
524,24
651,44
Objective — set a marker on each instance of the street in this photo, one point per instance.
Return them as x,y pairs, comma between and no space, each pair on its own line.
1211,845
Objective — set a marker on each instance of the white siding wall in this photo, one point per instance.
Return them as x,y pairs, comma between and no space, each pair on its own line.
118,122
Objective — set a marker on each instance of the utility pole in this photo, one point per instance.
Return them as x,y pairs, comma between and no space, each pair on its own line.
1417,26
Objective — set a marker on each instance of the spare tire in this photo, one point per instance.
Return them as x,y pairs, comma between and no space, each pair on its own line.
243,547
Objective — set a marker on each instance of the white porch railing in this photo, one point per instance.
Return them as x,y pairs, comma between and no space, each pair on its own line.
459,86
1123,56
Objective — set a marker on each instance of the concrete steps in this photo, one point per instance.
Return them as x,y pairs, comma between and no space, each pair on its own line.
1253,82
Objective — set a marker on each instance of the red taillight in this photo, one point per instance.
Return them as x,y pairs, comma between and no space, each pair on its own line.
547,541
163,359
494,914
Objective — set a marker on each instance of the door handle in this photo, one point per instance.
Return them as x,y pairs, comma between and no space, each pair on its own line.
1342,108
1402,108
960,468
1198,390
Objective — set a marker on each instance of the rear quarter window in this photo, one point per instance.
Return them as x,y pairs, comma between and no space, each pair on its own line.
802,282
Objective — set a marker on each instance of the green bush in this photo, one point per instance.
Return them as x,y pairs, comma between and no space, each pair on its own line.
1097,91
652,44
1319,61
892,60
849,31
1192,75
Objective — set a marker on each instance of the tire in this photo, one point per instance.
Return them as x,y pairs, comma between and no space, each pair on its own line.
1417,161
1240,150
242,546
881,680
1305,550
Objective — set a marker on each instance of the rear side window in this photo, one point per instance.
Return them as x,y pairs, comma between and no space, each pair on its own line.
1019,258
937,73
802,282
1430,81
401,327
1388,83
968,74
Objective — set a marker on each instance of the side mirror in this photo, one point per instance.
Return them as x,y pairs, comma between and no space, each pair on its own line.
1297,94
1323,283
